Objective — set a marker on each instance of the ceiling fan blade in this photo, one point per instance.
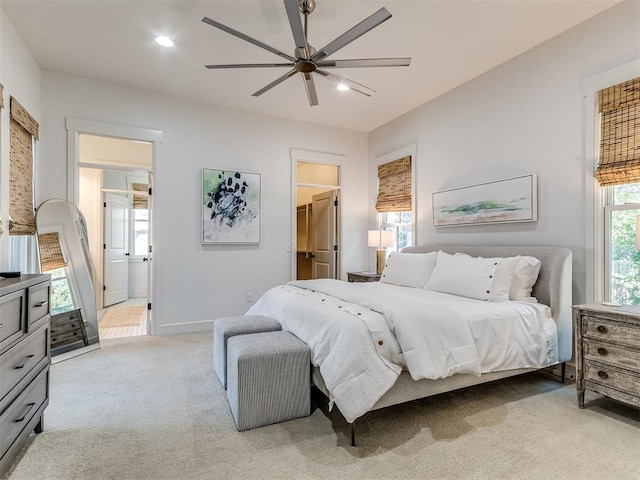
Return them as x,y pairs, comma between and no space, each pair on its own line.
247,38
358,87
310,87
277,81
296,27
352,34
250,65
366,62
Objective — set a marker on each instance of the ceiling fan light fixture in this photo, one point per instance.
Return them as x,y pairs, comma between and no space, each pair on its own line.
164,41
342,87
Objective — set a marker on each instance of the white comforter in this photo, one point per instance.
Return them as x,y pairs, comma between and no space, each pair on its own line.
361,335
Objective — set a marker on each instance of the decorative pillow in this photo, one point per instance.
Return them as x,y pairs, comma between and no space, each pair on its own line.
504,274
463,275
409,269
525,277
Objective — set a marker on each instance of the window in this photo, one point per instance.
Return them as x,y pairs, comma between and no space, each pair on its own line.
401,223
395,200
618,172
61,296
139,219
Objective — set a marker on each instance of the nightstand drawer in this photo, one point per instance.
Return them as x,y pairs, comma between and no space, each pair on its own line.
611,354
618,332
612,377
67,328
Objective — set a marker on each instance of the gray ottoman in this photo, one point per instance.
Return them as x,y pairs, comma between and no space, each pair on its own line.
268,379
225,328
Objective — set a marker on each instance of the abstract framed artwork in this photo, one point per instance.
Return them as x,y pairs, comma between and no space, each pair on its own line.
230,207
501,201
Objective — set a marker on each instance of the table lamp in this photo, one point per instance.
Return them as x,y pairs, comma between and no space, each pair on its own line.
380,239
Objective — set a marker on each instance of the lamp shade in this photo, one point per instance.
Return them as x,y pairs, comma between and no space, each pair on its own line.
380,238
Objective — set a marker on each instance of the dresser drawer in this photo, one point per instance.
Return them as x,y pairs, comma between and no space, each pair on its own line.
611,354
11,317
625,381
15,418
616,332
22,358
38,302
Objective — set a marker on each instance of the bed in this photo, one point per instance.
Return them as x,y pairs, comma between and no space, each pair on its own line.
371,349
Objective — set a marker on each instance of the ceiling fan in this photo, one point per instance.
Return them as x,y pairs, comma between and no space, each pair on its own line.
306,59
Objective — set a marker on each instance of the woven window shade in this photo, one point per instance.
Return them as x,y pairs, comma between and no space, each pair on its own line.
394,186
21,217
140,201
51,256
619,106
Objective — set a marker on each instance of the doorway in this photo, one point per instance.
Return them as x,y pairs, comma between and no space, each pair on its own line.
317,220
115,196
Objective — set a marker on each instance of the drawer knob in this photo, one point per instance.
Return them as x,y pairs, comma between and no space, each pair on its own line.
602,329
603,374
603,351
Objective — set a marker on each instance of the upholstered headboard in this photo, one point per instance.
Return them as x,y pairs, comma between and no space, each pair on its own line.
553,287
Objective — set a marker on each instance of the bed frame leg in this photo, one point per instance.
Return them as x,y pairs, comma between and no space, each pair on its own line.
563,371
353,434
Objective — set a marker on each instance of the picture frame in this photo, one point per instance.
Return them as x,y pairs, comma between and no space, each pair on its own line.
501,201
231,202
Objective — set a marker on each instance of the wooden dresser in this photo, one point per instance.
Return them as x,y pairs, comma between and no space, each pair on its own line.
608,352
25,356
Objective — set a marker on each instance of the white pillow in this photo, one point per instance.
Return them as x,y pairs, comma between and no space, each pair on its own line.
503,277
525,277
409,269
463,275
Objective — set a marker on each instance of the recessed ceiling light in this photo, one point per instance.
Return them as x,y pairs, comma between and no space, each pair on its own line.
164,41
342,87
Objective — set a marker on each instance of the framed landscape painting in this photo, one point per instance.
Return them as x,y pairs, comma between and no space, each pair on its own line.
509,200
230,207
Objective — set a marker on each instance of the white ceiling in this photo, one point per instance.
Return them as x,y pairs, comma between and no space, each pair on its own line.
450,42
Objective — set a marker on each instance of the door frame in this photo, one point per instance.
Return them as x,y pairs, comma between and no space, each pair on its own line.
324,158
77,126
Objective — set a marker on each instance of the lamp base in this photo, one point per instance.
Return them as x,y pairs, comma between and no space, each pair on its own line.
381,258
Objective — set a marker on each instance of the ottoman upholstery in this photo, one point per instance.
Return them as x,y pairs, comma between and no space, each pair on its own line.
268,378
225,328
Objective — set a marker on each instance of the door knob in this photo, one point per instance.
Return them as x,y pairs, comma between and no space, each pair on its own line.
126,254
145,259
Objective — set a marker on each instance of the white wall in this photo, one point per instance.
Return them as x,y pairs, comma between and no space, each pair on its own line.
525,116
197,283
20,77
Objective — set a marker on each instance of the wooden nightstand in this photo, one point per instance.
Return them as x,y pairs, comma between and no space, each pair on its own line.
363,276
608,352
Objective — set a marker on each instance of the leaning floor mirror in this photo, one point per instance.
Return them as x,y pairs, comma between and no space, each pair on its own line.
64,253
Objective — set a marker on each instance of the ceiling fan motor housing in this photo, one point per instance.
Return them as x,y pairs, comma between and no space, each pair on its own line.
306,6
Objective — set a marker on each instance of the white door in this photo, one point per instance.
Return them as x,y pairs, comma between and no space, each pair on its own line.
116,249
324,232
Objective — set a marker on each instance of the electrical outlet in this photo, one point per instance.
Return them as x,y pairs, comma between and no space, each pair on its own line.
249,297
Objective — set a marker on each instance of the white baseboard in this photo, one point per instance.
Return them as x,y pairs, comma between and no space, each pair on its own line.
188,327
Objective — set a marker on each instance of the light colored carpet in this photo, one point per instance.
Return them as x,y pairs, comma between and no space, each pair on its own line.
151,408
121,317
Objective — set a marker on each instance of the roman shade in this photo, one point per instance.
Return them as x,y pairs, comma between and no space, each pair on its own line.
51,256
23,129
619,107
140,201
394,186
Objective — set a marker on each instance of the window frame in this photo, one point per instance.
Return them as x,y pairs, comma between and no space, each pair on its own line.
132,233
596,196
409,150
